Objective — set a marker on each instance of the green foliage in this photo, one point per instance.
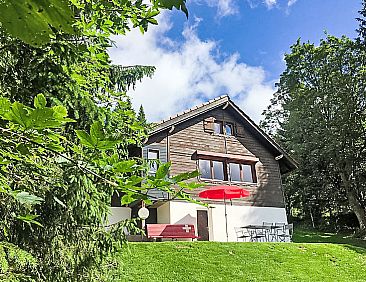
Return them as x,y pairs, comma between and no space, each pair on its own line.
141,116
96,139
43,188
362,23
169,4
129,75
33,21
320,107
39,118
13,262
36,22
63,153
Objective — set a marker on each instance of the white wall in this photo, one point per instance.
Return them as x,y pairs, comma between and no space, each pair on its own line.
238,216
119,214
186,213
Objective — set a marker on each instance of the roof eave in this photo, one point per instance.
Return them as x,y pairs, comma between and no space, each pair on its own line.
180,118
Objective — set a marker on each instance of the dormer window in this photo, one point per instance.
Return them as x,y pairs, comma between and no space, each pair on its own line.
218,126
229,129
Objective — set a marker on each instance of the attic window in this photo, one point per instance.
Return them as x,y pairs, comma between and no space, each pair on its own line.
212,125
218,127
229,129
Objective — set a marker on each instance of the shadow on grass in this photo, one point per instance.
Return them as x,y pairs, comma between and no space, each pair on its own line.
360,250
311,236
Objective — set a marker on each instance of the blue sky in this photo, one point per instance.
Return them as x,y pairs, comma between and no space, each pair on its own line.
233,47
262,34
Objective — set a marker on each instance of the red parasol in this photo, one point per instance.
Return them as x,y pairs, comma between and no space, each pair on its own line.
224,192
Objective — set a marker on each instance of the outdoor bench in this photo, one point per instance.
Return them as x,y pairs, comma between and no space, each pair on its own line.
171,231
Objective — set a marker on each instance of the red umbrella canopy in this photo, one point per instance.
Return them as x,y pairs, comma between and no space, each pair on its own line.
224,192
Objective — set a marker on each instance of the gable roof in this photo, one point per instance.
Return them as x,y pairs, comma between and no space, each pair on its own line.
287,163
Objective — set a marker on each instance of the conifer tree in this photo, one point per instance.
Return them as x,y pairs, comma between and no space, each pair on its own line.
141,117
362,22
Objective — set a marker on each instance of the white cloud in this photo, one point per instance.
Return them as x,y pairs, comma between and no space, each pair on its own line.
291,2
270,3
189,73
279,4
224,7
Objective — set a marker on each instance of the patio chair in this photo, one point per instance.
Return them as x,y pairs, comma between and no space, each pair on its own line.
258,235
242,233
270,231
286,233
280,230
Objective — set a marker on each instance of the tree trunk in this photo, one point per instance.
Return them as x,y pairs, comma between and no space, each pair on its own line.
354,202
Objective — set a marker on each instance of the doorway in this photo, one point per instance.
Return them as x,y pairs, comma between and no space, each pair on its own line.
202,225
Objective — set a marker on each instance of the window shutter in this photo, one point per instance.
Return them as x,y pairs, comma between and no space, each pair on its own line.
144,152
163,154
235,133
240,131
208,124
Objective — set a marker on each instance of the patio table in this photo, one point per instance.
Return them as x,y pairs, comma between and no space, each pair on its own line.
265,228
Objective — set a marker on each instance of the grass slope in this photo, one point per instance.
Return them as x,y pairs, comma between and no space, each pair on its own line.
312,236
212,261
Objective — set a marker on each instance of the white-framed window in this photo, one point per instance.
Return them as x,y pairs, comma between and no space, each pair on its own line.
242,172
212,169
229,129
152,156
223,169
221,127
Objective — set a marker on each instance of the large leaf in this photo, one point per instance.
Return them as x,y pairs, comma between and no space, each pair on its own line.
19,114
124,166
39,118
107,144
127,199
44,118
162,171
85,138
185,176
96,138
26,198
40,101
30,219
96,131
5,106
31,20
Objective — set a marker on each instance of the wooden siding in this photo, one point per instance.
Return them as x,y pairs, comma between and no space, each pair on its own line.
189,137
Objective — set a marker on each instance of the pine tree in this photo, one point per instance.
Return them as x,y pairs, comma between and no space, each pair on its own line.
362,21
141,116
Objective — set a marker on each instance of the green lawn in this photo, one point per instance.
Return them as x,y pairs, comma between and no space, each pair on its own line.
307,236
211,261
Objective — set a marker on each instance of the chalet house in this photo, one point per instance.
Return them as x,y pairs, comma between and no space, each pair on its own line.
228,148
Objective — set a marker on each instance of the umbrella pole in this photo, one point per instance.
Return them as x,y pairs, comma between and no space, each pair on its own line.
227,235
